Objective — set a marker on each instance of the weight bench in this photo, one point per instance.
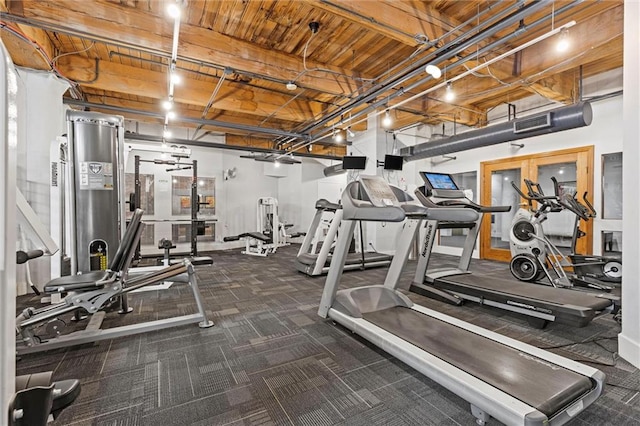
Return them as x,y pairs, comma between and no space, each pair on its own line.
256,243
94,291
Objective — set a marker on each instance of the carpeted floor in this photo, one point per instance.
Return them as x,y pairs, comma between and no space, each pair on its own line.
271,360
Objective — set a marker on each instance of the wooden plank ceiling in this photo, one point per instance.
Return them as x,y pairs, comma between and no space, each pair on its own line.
236,57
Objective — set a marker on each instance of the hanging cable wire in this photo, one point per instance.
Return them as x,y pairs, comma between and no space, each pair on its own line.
73,86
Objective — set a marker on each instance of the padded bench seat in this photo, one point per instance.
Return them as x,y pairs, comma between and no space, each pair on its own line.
87,281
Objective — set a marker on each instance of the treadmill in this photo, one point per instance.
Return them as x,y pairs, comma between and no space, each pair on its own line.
500,377
313,264
540,304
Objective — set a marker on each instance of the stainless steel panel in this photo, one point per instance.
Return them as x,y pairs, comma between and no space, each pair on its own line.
94,147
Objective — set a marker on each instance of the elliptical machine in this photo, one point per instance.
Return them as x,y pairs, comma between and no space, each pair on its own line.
587,267
535,257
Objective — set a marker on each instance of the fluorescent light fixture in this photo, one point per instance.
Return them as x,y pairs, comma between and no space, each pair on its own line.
434,71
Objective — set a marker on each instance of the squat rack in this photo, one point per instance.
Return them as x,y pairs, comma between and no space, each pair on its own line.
197,226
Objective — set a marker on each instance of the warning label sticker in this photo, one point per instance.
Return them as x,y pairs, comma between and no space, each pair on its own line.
96,175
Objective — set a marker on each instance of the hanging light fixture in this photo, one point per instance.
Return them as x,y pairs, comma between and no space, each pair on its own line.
387,121
350,133
167,105
449,94
174,10
434,71
563,41
339,136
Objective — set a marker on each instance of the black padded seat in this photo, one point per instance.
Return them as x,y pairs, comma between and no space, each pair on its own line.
87,281
92,280
258,236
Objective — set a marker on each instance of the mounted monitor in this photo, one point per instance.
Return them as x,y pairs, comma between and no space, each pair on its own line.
393,162
438,180
354,163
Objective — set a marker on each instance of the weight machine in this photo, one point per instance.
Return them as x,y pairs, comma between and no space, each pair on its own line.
271,233
197,225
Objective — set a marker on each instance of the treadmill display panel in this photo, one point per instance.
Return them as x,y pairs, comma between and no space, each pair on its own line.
378,190
439,180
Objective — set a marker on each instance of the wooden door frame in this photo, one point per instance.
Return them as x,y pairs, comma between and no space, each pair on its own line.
584,159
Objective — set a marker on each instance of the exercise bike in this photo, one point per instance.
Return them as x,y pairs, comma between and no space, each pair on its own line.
587,267
535,257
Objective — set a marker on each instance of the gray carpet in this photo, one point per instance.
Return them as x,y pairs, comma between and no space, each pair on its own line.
271,360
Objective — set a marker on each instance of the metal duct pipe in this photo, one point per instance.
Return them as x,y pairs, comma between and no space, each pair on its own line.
336,169
564,118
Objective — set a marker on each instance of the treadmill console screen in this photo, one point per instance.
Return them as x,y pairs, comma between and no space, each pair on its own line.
439,180
378,190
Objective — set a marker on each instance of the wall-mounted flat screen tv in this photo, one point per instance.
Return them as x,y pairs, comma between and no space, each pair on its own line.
393,162
352,162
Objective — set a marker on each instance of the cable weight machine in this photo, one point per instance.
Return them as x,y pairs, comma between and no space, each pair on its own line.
198,226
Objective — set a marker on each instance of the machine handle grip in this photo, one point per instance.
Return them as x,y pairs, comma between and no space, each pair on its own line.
589,205
25,256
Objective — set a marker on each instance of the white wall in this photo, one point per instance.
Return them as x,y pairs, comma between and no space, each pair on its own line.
629,338
42,120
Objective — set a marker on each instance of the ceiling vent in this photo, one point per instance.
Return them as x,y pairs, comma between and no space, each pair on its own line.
532,123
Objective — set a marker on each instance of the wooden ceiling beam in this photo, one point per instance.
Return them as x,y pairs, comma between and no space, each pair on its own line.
232,137
561,87
231,96
253,141
145,31
400,21
24,53
584,36
142,106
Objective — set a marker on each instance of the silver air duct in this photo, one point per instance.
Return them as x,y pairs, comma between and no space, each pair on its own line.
336,169
564,118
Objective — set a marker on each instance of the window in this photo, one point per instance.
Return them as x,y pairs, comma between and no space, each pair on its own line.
612,186
146,192
181,195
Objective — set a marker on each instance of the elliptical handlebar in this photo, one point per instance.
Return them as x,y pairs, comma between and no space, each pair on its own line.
570,202
591,211
547,202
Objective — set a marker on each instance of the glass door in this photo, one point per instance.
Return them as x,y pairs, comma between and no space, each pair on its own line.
572,168
496,190
573,171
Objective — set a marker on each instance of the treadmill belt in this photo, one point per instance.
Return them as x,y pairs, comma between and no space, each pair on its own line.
538,383
352,258
558,296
